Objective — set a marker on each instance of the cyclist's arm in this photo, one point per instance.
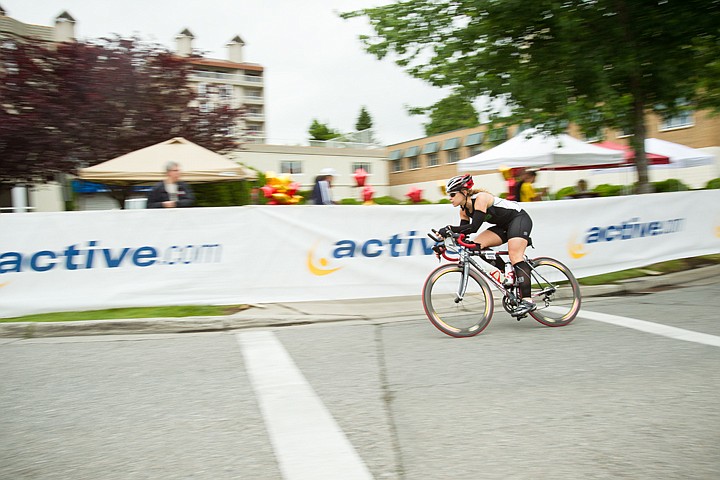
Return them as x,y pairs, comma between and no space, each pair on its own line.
482,202
472,225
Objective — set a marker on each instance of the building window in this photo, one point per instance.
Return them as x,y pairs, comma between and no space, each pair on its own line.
364,165
497,135
396,165
202,88
225,91
474,150
412,152
431,148
683,119
396,155
290,167
453,156
625,132
433,160
414,162
474,139
451,146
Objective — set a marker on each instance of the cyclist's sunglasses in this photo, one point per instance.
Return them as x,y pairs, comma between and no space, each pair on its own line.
453,194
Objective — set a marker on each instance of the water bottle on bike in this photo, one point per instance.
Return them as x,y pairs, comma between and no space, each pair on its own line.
509,275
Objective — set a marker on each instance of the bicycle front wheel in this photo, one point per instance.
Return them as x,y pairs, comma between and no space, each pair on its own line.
555,291
452,315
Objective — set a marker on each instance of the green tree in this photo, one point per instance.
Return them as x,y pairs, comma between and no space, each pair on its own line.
364,120
321,131
595,63
450,113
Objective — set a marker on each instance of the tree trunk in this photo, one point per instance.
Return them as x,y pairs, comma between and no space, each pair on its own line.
638,146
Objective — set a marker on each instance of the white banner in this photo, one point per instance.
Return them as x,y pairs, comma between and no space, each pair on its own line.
109,259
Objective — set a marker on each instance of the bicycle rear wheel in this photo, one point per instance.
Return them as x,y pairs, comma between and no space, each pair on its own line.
555,291
454,317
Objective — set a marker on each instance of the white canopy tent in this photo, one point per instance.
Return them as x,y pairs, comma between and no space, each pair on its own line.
680,156
531,149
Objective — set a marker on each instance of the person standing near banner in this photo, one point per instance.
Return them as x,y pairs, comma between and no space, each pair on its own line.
526,191
321,194
171,192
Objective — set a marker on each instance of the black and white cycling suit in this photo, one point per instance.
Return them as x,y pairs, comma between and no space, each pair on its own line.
510,220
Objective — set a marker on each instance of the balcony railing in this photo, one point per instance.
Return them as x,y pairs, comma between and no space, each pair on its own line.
228,77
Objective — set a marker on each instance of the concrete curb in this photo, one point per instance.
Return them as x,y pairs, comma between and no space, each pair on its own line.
278,315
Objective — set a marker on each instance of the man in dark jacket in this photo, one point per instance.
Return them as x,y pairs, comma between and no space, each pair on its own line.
321,192
171,192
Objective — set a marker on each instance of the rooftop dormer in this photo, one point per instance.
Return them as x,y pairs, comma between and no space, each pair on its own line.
64,28
235,49
184,43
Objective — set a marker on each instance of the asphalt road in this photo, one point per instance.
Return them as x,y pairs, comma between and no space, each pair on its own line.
391,400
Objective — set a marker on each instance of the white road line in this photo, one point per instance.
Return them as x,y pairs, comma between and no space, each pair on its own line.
307,441
656,328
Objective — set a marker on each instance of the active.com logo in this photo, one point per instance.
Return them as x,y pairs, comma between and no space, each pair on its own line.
92,255
324,261
580,245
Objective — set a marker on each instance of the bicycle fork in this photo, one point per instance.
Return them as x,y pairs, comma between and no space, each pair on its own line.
462,288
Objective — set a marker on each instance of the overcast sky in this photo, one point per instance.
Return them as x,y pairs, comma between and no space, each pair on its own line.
314,63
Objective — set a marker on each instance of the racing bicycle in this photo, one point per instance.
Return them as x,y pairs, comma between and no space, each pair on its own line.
458,299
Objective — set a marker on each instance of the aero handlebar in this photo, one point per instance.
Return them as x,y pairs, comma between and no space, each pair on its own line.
466,245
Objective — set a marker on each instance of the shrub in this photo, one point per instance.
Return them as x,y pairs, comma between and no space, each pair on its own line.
714,183
387,200
608,190
564,192
222,194
306,194
670,185
349,201
444,200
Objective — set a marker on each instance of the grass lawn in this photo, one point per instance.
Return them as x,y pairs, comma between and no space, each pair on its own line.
654,269
124,313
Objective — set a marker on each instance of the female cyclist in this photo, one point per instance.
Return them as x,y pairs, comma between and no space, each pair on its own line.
512,225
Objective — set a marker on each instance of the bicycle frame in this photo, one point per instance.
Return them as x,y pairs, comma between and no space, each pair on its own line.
466,261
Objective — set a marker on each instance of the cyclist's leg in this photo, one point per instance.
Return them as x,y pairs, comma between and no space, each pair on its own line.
518,241
489,238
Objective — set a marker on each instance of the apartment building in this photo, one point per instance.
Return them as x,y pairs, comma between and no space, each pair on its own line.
48,196
228,81
428,162
63,29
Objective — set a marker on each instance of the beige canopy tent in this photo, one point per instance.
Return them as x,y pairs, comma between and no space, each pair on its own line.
147,165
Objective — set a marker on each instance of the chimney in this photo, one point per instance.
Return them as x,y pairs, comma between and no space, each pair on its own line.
235,49
184,42
64,28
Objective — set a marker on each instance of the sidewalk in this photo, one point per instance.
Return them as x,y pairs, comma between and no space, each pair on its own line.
283,314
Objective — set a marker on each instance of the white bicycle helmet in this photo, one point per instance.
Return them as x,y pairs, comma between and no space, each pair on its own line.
455,184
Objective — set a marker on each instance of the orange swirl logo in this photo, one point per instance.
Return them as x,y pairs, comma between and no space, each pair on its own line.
321,267
576,249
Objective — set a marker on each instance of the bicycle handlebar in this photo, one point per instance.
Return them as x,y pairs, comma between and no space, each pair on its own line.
466,245
433,237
